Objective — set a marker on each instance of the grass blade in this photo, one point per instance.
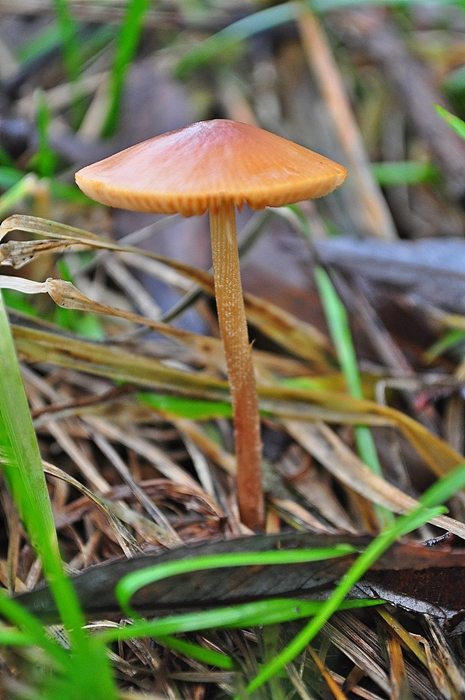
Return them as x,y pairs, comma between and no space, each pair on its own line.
25,477
457,124
127,42
131,583
428,508
338,322
68,30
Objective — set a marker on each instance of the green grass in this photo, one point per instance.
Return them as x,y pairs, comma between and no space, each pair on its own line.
65,674
68,31
457,124
10,176
186,407
24,187
127,43
231,36
404,173
44,161
429,507
339,330
22,469
45,41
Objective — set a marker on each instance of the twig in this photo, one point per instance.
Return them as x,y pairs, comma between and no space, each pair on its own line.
374,214
372,32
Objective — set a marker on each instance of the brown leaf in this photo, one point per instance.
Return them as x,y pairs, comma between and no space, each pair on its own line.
413,576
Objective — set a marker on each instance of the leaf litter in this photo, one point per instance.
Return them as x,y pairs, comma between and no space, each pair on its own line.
129,481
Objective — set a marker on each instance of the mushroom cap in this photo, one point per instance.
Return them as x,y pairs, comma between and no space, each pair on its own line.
194,169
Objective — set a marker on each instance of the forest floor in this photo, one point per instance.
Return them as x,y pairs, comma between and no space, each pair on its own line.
126,377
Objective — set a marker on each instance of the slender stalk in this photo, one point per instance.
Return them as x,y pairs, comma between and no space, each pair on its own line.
233,327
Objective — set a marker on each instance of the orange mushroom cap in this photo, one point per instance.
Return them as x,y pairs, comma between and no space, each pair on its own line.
192,170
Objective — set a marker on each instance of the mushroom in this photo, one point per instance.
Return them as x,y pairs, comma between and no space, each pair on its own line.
215,166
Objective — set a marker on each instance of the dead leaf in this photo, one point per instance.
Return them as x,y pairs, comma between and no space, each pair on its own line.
419,570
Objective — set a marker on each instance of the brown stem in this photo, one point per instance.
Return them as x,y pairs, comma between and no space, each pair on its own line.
233,327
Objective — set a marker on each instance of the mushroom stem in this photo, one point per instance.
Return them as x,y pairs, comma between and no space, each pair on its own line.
233,327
